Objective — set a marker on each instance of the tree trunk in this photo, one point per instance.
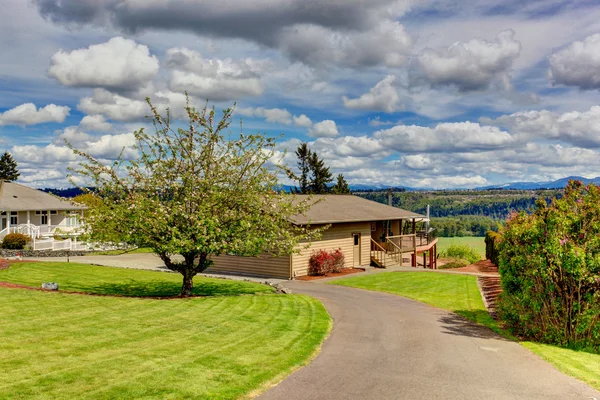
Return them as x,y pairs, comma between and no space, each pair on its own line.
188,284
188,273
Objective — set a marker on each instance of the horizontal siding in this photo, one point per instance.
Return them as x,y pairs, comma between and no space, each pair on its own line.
272,267
338,236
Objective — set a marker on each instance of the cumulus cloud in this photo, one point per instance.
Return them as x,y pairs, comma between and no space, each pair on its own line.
114,106
349,146
119,64
471,65
326,128
351,32
382,97
444,137
215,79
272,115
95,122
302,121
577,65
28,114
385,44
578,128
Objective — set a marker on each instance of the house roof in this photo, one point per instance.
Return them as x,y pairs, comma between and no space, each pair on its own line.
15,197
329,209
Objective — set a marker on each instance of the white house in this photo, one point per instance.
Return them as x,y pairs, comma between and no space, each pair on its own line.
36,213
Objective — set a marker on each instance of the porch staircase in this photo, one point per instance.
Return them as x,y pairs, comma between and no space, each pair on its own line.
384,258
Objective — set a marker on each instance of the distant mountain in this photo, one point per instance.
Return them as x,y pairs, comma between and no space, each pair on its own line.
557,184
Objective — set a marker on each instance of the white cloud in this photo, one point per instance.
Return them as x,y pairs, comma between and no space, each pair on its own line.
578,128
326,128
119,64
215,79
302,121
348,146
28,114
95,122
577,64
114,106
444,137
382,97
471,65
272,115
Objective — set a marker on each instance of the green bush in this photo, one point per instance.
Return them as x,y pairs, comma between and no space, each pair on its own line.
454,263
461,251
15,241
550,266
491,246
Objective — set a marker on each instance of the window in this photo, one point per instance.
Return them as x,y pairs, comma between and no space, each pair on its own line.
44,218
54,212
356,240
373,226
14,218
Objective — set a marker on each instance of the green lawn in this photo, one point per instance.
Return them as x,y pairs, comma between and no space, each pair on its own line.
121,281
66,346
459,293
477,243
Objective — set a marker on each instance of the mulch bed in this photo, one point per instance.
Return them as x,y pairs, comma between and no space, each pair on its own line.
345,271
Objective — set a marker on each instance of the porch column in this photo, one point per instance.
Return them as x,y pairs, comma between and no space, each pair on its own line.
28,223
8,220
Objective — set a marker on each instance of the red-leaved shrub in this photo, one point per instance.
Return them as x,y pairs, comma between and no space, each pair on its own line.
322,262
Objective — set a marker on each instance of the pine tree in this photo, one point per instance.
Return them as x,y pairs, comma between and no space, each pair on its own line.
341,186
321,176
8,168
304,154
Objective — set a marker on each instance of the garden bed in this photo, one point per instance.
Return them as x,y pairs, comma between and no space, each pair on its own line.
345,271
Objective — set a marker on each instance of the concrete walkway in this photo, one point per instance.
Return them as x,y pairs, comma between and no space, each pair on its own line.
387,347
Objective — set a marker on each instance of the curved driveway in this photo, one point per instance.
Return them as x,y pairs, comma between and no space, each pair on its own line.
387,347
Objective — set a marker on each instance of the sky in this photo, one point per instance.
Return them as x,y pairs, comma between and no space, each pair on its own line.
418,93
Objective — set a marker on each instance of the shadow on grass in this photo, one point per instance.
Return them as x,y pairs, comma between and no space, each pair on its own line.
462,325
170,289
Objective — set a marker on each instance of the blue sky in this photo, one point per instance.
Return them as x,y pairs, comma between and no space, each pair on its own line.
428,93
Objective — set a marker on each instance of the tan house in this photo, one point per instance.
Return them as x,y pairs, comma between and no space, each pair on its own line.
35,213
357,227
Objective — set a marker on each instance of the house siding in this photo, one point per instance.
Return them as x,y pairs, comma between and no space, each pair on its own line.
338,236
273,267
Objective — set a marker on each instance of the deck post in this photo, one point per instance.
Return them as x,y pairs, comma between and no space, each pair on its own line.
435,256
424,259
414,259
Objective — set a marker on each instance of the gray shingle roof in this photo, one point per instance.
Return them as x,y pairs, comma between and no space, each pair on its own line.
15,197
348,208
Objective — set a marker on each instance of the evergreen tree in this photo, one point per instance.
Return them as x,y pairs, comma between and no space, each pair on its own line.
304,154
341,186
321,176
8,168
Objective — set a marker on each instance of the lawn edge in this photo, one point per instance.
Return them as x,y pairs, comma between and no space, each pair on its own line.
502,332
288,372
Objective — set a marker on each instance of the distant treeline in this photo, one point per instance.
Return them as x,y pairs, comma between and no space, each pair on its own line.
66,193
488,203
464,225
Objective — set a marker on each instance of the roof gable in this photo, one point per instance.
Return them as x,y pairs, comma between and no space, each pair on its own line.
333,208
15,197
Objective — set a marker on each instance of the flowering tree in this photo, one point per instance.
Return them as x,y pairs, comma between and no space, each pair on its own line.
193,192
550,266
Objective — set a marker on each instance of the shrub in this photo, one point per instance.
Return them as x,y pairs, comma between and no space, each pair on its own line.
338,260
461,251
15,241
550,266
322,262
454,263
491,246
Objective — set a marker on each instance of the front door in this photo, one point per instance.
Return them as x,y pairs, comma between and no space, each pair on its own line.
356,259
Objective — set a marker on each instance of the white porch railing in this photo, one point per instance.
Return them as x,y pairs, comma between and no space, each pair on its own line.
37,231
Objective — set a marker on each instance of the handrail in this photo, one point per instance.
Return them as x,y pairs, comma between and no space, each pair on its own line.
394,244
401,236
373,242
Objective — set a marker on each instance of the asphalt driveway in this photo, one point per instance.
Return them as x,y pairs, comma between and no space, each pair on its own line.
387,347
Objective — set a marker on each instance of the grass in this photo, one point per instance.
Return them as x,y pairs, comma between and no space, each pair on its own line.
455,292
65,346
87,278
459,294
477,243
